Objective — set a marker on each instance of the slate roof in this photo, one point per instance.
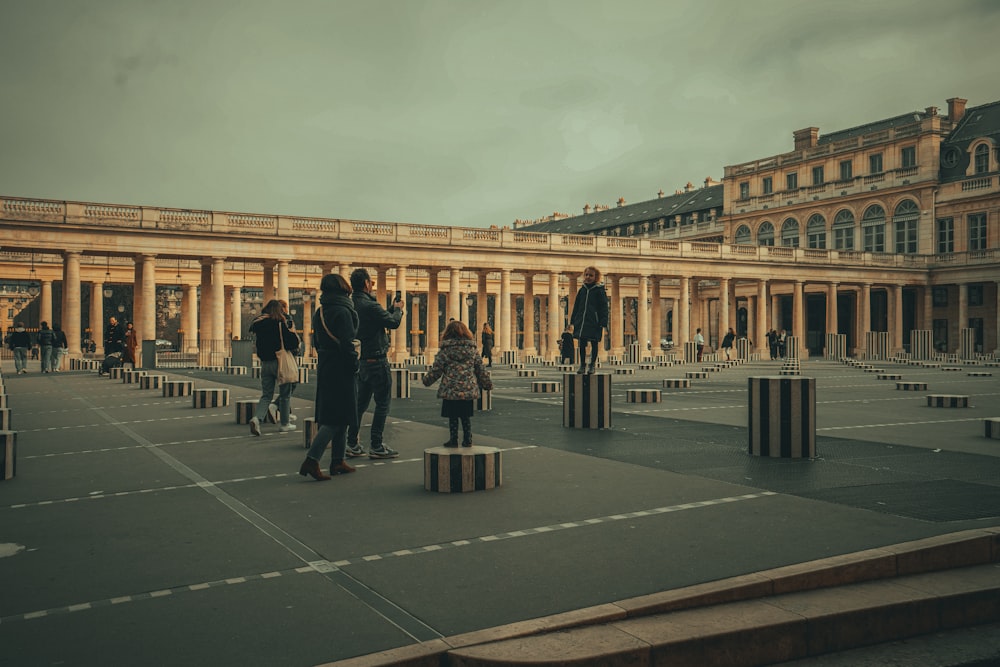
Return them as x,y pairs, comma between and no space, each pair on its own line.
978,122
877,126
654,209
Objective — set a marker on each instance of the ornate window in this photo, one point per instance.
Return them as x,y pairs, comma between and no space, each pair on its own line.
904,220
743,235
790,233
843,230
982,159
745,190
816,231
765,234
873,229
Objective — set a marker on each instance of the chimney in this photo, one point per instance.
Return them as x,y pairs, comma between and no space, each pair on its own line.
805,138
659,195
586,209
931,111
956,109
621,202
689,187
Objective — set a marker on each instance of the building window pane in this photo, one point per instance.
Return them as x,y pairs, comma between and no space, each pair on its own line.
982,159
816,231
909,156
905,219
792,181
768,185
817,175
790,233
975,295
875,163
945,235
743,235
765,235
846,170
744,190
843,230
977,231
941,335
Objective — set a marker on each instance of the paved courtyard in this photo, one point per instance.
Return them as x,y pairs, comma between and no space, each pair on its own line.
140,530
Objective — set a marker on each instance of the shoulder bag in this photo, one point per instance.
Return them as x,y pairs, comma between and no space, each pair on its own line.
288,369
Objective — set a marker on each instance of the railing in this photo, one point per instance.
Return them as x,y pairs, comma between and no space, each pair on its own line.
977,184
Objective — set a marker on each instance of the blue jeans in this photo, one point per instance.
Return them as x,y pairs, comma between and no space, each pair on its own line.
374,380
268,379
46,358
20,359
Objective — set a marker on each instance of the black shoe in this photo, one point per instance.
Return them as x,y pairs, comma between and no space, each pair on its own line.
450,443
467,444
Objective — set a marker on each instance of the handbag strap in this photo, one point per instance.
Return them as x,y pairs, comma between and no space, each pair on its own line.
326,328
281,335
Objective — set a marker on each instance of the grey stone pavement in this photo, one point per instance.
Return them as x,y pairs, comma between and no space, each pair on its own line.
142,531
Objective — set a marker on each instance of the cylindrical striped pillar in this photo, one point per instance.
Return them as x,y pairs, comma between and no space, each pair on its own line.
691,352
462,469
781,416
792,347
966,344
743,348
920,344
485,400
992,428
587,400
309,431
836,346
178,388
210,398
152,381
8,454
400,382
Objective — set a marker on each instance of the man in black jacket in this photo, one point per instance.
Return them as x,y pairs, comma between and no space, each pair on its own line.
374,376
19,341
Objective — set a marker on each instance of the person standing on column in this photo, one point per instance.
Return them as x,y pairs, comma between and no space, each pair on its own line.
46,339
272,334
374,375
463,377
131,345
19,341
335,324
699,341
589,320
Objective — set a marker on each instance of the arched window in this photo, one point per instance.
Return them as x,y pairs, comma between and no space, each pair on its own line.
743,235
790,233
816,231
904,221
765,234
873,229
843,230
982,159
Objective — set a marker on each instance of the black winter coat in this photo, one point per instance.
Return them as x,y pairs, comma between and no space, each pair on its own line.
590,312
373,320
265,330
337,363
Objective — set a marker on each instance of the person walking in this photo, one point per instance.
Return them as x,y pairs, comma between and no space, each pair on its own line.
727,342
590,317
374,376
271,334
19,341
567,351
114,340
59,348
335,324
699,341
463,376
272,408
488,344
46,340
131,344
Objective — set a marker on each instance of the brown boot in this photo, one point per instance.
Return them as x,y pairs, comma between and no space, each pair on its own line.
341,468
311,467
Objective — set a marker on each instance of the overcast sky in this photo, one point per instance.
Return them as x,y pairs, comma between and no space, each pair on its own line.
452,112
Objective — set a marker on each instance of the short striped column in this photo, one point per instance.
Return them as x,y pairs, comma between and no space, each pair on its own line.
566,368
152,381
6,420
178,388
792,347
587,400
116,373
782,417
676,383
210,398
8,454
624,371
485,401
236,370
647,366
889,376
303,375
543,387
836,346
527,373
743,348
245,410
309,429
508,357
690,352
400,382
920,344
132,376
643,396
979,374
992,425
911,386
696,375
462,469
947,401
255,372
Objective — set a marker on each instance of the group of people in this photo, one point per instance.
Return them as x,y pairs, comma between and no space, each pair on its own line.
120,345
776,343
51,343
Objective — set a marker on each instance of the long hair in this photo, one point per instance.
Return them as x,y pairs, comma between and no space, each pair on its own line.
456,329
273,310
487,328
334,282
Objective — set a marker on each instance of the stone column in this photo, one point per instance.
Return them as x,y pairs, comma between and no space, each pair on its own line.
896,326
762,321
616,323
146,323
928,315
138,266
218,312
415,324
235,316
656,316
45,303
643,317
555,317
832,325
682,319
996,331
307,313
798,315
381,284
454,295
963,313
268,282
513,322
502,328
71,302
205,333
433,315
97,314
282,292
482,305
529,314
724,321
864,315
399,339
189,318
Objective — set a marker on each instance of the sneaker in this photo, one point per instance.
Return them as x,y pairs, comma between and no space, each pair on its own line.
382,452
287,427
254,426
355,450
272,411
292,417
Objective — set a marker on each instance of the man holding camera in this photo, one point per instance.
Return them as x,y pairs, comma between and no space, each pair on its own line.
374,376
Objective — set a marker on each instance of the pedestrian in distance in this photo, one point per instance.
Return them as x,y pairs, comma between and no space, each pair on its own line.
131,345
60,348
114,339
335,325
19,342
463,378
567,349
272,408
727,342
589,320
374,374
488,344
271,333
46,341
699,341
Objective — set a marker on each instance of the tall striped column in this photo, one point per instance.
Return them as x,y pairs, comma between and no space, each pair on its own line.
836,346
781,417
966,344
587,400
792,347
743,348
877,343
920,344
690,352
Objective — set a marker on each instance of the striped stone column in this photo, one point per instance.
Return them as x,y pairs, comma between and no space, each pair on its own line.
877,343
743,348
792,347
462,469
587,400
400,383
920,344
781,417
966,344
691,352
836,346
8,454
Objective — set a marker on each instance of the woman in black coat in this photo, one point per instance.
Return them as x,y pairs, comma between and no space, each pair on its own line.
590,317
488,344
335,325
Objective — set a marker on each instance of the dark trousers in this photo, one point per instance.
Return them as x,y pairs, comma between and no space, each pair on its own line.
374,381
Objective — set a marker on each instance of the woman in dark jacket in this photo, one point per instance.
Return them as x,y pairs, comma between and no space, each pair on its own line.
272,334
590,317
488,344
335,325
